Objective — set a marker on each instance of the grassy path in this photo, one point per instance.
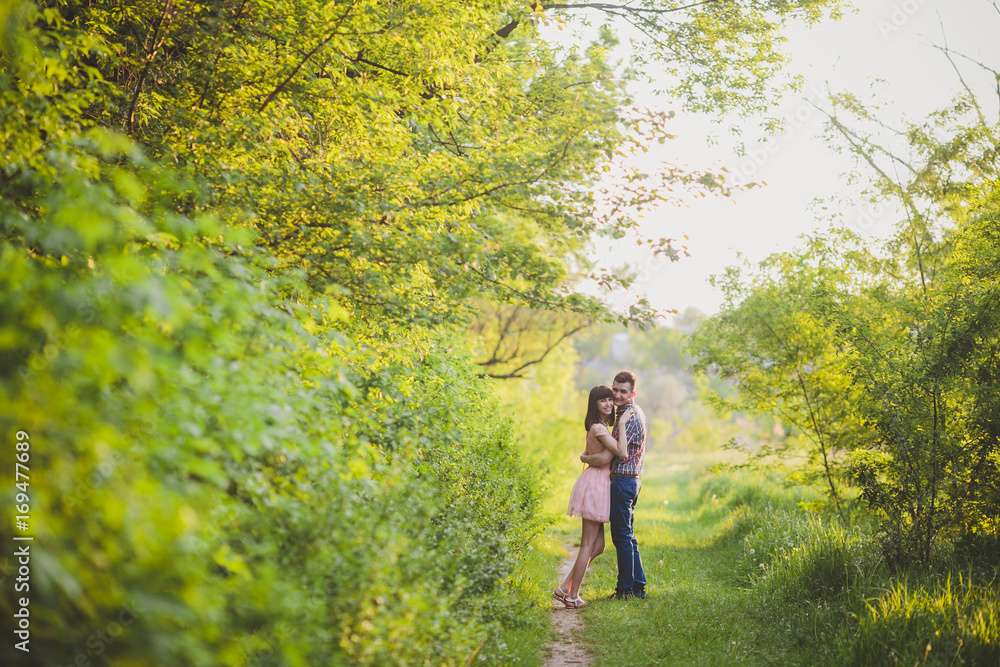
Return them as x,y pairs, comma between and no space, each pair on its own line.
695,613
822,596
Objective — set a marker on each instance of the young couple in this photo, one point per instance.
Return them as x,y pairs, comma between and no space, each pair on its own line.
608,489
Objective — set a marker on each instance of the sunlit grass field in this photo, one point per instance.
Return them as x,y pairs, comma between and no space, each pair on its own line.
739,573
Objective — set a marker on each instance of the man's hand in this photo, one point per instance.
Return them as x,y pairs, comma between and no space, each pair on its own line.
590,459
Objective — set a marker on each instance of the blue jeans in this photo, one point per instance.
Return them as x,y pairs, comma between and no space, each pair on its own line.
624,494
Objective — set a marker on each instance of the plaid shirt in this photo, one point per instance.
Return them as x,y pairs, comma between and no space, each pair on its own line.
635,436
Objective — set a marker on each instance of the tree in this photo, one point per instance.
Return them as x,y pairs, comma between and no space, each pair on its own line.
905,335
929,377
408,156
926,338
775,341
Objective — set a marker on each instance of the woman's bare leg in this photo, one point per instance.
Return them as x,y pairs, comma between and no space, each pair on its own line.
598,544
596,550
569,577
588,542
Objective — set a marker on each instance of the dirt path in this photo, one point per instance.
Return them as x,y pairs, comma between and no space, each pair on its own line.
564,651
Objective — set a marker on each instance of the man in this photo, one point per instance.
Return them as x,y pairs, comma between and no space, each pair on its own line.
625,474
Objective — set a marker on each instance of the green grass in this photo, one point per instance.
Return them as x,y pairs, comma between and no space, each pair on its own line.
954,621
738,573
523,642
698,609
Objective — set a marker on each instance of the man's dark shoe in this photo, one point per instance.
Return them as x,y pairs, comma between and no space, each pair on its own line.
639,593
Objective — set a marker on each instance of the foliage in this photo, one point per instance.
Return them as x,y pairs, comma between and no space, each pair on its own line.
348,128
774,340
931,380
213,459
240,240
206,461
406,156
896,377
900,342
927,340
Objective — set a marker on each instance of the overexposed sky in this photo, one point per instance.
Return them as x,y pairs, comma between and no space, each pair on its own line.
884,39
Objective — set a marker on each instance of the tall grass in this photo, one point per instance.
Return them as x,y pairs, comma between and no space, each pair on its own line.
742,568
952,621
823,581
799,556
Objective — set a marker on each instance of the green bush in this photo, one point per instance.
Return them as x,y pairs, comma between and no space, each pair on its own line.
217,476
225,467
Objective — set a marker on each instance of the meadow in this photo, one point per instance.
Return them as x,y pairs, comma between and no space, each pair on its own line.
739,573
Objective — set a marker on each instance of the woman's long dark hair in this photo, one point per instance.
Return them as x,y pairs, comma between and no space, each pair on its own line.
593,415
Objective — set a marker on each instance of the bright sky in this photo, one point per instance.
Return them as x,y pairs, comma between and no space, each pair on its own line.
886,39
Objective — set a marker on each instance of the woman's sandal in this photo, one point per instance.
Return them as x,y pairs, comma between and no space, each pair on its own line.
576,603
559,594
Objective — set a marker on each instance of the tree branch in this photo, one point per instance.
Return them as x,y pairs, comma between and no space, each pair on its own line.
218,56
822,443
397,72
304,60
516,373
854,140
947,54
610,7
504,32
150,55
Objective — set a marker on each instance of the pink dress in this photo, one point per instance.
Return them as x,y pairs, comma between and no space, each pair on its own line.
591,495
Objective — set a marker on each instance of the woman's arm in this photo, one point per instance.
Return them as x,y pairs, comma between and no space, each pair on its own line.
603,457
618,447
597,460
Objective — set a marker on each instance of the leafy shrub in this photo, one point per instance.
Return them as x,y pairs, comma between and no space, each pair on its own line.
215,465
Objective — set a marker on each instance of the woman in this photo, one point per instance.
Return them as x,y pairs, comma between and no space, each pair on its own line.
590,498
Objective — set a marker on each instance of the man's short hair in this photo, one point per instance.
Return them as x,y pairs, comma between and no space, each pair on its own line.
626,376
